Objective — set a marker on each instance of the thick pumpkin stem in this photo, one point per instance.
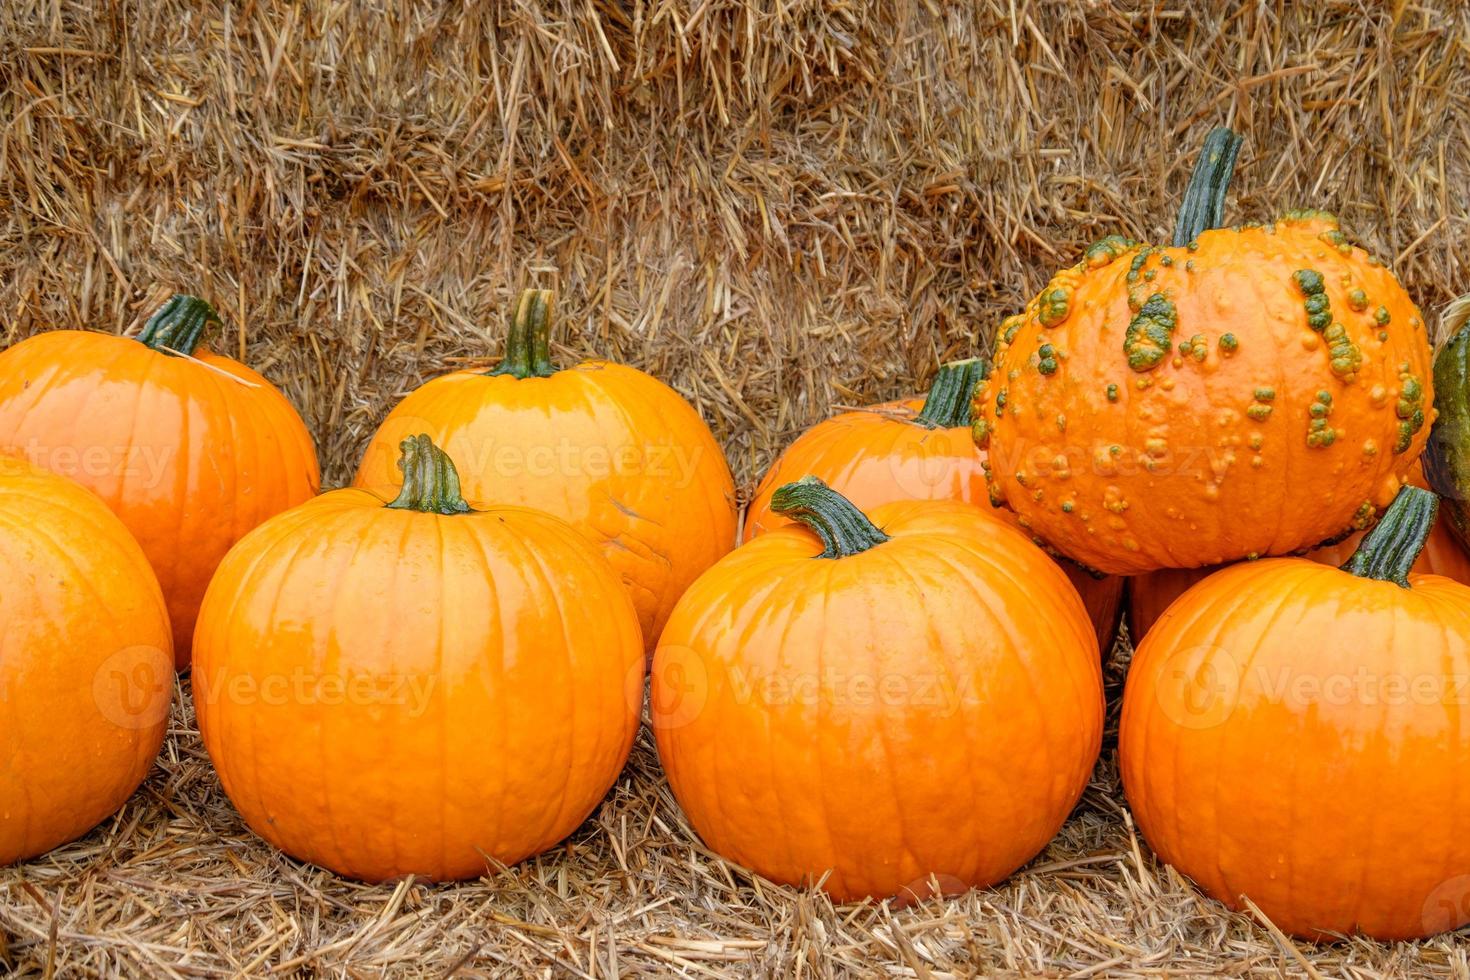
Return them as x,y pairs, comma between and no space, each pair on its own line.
528,345
843,528
178,325
1390,549
1204,200
430,481
948,403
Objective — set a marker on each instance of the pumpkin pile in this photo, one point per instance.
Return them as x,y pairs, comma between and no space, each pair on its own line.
891,689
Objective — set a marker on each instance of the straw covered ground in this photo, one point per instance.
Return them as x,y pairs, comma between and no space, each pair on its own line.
778,206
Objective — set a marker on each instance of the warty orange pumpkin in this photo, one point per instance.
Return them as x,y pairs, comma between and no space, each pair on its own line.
190,448
1150,594
1246,392
86,674
416,687
914,449
1296,734
865,708
611,450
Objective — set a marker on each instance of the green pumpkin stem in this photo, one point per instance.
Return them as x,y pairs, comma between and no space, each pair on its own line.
528,345
844,529
1390,549
430,481
1204,200
178,325
948,403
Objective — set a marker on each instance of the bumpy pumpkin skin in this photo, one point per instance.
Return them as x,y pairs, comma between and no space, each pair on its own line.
189,457
87,671
1338,811
613,451
1133,432
880,455
774,729
1149,595
497,670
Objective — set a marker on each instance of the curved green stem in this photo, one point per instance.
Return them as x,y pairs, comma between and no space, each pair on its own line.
178,325
1390,549
947,405
844,529
1204,200
528,345
430,481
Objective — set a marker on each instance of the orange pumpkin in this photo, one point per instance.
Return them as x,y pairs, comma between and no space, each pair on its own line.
1295,734
86,674
863,708
1150,594
1247,392
915,449
415,687
191,449
614,452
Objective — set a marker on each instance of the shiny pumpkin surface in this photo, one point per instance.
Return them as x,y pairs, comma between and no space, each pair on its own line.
86,664
190,454
388,692
1255,393
1297,735
880,455
1150,595
875,456
607,448
883,716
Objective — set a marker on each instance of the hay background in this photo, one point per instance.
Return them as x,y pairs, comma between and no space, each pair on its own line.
776,207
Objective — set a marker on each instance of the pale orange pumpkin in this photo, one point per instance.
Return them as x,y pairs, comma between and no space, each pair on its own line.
611,450
86,670
190,448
